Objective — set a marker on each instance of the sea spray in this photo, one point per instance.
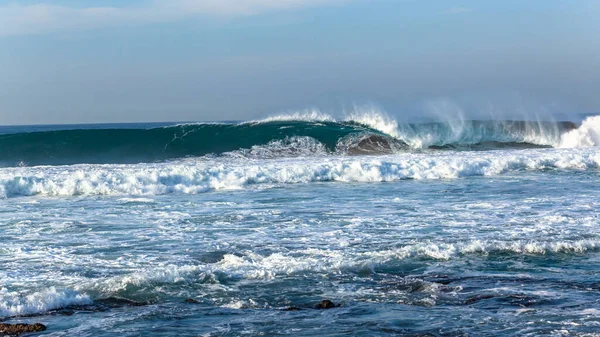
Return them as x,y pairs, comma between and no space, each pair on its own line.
306,133
587,135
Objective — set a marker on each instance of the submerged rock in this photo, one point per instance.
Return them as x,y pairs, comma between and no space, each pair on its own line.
291,309
18,329
115,302
325,304
212,257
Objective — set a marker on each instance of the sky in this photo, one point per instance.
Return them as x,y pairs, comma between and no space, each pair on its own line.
102,61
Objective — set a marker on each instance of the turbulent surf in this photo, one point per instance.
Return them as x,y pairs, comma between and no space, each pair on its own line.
449,228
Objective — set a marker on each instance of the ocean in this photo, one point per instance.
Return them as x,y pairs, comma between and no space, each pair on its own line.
454,228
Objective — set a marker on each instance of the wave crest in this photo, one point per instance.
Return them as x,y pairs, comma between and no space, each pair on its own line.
305,133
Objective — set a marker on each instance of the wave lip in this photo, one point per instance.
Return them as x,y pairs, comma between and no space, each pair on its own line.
309,115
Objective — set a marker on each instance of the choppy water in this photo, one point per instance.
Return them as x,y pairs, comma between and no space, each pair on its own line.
424,243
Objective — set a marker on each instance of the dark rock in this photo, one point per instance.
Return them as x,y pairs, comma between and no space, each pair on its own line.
212,257
374,144
191,300
17,329
325,304
291,309
99,305
115,302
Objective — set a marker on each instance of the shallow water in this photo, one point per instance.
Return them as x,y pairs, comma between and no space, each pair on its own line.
487,243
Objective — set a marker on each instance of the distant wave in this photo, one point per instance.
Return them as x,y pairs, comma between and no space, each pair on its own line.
296,134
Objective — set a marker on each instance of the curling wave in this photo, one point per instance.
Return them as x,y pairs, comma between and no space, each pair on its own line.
127,146
284,136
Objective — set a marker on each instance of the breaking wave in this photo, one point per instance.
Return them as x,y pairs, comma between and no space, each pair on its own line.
587,135
297,134
192,176
16,304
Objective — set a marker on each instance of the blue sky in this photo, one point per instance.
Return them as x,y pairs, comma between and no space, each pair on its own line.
67,61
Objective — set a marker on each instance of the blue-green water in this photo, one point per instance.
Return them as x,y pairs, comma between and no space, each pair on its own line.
502,242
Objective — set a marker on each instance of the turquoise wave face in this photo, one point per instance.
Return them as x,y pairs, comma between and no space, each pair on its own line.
100,146
262,139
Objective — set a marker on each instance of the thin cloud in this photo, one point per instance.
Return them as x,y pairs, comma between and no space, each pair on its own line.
42,18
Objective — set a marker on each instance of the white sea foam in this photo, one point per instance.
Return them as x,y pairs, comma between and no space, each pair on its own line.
447,251
17,304
288,147
240,304
254,266
157,275
137,200
587,135
197,176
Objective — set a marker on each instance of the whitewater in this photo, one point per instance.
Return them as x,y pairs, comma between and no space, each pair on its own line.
442,228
